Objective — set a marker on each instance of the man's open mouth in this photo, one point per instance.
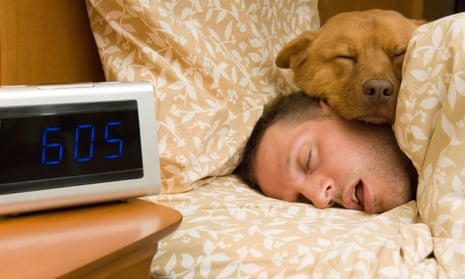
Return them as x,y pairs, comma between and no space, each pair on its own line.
357,194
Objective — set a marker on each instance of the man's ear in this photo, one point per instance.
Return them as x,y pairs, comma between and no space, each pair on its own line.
325,107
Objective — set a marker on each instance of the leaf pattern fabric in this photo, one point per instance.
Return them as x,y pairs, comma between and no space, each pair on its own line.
212,67
430,127
231,231
211,64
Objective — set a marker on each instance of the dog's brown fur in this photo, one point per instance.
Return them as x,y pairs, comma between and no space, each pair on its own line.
354,62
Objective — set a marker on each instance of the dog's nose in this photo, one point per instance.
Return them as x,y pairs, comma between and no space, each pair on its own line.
378,91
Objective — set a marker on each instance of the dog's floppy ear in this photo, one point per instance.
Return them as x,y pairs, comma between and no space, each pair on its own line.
294,47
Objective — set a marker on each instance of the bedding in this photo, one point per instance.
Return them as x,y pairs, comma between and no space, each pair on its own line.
211,65
230,231
430,129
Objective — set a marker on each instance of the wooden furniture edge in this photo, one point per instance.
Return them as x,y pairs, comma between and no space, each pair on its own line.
133,261
109,240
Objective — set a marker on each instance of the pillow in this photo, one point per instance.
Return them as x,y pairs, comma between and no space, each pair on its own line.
211,64
430,127
231,231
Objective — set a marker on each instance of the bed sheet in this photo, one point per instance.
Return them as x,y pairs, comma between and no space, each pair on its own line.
231,231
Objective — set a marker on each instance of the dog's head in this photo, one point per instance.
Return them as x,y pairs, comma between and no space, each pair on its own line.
354,62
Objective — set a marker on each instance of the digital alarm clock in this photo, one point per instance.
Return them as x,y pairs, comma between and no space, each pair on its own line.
64,145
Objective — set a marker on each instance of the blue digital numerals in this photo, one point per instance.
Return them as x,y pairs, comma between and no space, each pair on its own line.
46,146
84,139
78,139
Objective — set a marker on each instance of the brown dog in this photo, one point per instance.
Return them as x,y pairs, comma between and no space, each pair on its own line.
353,61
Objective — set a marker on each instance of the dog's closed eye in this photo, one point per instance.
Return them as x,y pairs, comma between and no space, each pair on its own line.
399,53
348,58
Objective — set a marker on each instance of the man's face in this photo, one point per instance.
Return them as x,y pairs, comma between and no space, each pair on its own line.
331,162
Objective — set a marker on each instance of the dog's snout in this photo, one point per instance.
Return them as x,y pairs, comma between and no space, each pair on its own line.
378,91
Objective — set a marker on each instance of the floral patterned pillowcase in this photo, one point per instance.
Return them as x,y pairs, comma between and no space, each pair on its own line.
430,127
211,64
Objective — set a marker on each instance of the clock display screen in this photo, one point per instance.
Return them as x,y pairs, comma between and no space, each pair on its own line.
49,146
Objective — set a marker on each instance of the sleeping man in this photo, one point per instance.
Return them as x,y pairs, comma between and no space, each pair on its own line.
301,151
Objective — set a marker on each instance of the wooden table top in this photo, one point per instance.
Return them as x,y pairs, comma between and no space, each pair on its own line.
50,244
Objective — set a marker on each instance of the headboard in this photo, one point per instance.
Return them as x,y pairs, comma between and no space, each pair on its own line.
46,41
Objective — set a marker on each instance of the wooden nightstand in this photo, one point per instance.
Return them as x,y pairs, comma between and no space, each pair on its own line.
116,240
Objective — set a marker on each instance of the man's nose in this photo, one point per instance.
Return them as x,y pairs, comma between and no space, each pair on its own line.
324,193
